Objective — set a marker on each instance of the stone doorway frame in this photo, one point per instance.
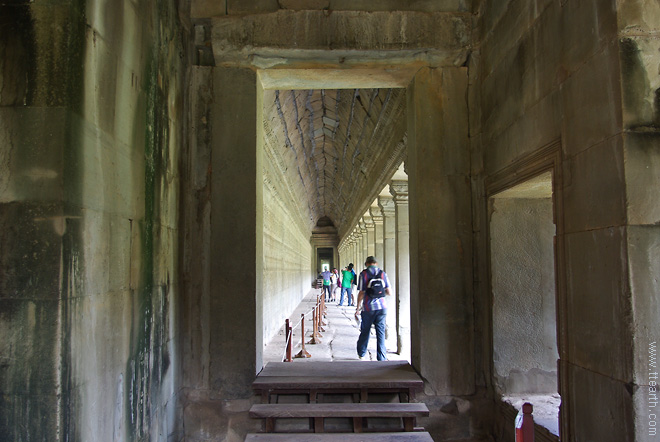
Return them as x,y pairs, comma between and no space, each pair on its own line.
544,159
438,154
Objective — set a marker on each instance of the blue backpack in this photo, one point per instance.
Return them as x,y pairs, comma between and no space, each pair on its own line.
376,286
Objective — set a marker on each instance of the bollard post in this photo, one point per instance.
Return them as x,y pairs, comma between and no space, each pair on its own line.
303,353
525,424
315,339
324,311
319,319
289,338
321,313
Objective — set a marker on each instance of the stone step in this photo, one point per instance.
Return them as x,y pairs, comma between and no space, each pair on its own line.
408,412
388,409
421,436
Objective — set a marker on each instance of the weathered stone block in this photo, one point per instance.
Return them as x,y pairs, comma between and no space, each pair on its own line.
31,160
642,163
644,264
304,4
546,72
207,8
235,307
355,31
449,418
107,252
640,82
29,358
638,15
502,95
599,306
539,126
594,191
24,417
591,102
236,7
30,261
120,189
205,421
594,395
585,29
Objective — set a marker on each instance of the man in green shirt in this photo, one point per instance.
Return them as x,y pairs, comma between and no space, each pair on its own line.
347,281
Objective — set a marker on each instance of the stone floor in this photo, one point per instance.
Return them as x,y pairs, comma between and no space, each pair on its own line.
338,342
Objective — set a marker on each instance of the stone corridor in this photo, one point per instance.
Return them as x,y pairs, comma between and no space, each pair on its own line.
175,174
338,341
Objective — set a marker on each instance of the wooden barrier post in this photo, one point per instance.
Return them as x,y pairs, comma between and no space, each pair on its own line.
315,336
324,311
525,424
303,353
319,318
289,338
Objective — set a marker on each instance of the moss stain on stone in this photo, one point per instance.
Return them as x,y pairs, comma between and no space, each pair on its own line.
148,361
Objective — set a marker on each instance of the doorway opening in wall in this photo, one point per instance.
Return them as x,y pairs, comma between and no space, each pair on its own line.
524,314
324,259
329,141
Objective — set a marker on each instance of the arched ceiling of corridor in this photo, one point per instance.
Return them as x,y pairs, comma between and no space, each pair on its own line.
336,148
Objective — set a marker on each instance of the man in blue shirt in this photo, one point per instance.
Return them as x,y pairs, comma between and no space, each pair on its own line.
373,285
325,291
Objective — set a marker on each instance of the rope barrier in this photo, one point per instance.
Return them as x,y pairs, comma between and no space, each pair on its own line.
318,312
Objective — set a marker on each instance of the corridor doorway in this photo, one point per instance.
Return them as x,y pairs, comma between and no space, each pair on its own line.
324,259
522,235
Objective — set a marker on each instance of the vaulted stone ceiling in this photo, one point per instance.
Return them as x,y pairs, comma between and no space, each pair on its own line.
335,148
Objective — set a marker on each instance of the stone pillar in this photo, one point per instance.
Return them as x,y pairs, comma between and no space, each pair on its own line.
399,190
377,218
440,230
349,250
235,236
357,245
637,151
364,250
390,325
386,205
342,255
353,244
371,235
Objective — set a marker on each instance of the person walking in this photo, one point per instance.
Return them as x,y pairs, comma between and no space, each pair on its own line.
347,278
325,290
373,285
351,299
334,283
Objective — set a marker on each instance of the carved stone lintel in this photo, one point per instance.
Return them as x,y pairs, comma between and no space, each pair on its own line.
399,190
386,205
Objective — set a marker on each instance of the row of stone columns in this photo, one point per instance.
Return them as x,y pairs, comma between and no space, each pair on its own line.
383,232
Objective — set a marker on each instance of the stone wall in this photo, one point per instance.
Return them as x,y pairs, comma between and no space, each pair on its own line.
91,128
639,55
523,284
583,74
287,251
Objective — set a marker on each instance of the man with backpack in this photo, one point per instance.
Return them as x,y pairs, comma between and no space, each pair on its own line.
373,285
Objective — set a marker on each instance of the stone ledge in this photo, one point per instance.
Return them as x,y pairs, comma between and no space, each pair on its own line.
316,38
